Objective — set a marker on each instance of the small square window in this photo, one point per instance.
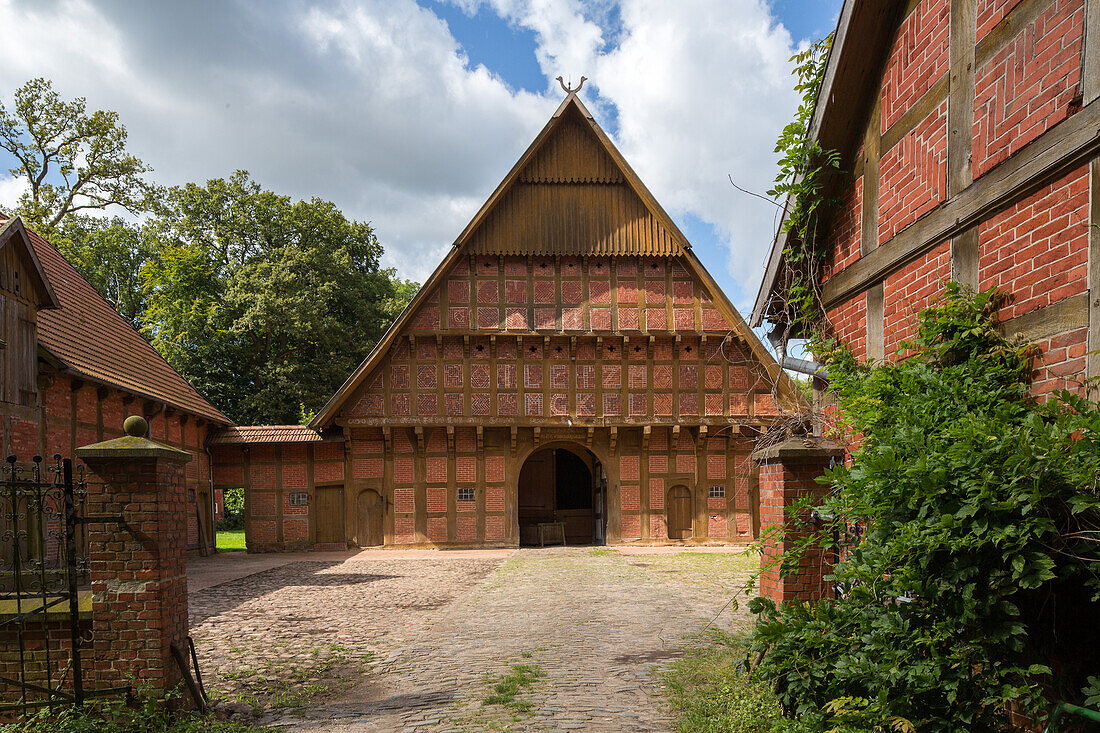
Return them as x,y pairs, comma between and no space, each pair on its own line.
465,494
717,492
299,499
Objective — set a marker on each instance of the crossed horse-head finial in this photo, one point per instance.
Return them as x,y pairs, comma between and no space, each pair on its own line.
570,89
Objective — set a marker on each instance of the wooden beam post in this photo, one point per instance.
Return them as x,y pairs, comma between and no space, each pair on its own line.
1092,359
1091,61
960,138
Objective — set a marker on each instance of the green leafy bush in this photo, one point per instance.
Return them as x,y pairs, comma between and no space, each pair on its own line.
233,510
971,587
148,715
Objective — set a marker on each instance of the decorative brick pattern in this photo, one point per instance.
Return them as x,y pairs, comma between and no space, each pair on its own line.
506,405
544,291
532,405
367,468
399,376
913,175
459,317
532,376
662,404
571,291
479,404
426,376
426,405
458,291
516,319
917,60
454,404
488,318
572,319
479,376
399,405
656,319
637,404
612,404
515,291
586,404
628,319
1029,85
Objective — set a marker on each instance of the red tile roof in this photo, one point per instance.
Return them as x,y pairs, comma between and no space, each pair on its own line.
238,434
92,340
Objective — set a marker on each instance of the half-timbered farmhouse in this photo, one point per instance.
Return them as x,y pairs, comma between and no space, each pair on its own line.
970,132
73,369
569,367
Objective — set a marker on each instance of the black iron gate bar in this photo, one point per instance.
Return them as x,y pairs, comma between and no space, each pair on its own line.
40,540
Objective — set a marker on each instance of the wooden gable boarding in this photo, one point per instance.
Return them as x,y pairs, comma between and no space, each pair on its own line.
570,259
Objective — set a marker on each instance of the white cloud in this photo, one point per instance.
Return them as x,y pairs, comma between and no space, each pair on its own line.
700,89
375,106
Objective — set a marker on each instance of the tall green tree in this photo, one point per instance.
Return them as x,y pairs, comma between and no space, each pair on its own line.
265,303
72,160
111,254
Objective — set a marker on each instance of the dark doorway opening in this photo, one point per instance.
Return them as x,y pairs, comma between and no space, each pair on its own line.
563,485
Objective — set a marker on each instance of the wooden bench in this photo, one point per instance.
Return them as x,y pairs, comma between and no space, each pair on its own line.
544,526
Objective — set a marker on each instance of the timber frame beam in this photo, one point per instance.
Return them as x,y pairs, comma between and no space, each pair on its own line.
1064,147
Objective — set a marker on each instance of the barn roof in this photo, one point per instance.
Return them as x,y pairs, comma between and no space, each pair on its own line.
571,151
861,44
241,434
90,339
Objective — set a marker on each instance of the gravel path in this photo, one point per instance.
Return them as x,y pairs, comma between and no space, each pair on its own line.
389,644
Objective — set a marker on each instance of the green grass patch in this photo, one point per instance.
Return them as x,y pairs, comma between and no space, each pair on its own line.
148,714
602,551
230,540
507,688
710,692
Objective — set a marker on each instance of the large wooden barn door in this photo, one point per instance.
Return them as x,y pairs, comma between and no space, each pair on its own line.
678,508
330,514
370,518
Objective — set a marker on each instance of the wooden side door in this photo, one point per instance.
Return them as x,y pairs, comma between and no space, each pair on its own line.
370,512
330,514
678,513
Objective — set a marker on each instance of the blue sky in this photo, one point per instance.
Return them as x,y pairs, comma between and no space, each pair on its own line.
407,113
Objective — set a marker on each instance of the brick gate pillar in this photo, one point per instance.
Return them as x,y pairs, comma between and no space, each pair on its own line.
137,568
788,474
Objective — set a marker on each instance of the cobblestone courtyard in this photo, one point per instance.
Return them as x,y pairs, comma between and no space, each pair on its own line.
393,641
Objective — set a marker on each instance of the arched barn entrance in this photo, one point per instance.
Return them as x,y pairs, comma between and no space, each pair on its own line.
567,484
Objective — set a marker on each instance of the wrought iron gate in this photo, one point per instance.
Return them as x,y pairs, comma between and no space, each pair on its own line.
44,585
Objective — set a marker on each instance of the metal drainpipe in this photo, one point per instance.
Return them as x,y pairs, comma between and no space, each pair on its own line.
213,502
805,366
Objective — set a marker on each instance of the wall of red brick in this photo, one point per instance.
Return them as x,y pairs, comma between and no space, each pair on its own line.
918,58
90,414
913,175
1028,86
270,473
908,291
849,324
844,234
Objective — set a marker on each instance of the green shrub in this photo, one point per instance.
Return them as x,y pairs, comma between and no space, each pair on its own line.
980,508
148,715
233,510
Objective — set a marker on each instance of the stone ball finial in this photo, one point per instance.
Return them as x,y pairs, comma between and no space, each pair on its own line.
136,426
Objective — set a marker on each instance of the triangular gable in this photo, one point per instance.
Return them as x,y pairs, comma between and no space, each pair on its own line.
589,158
14,234
572,193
